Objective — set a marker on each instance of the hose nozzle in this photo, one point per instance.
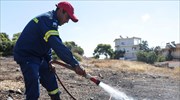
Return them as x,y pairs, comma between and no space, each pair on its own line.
88,76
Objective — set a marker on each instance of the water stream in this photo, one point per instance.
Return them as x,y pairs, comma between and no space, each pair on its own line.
114,93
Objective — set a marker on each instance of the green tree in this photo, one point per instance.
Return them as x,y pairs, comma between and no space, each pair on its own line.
157,50
144,46
16,36
74,47
70,44
78,50
4,37
103,49
6,46
119,53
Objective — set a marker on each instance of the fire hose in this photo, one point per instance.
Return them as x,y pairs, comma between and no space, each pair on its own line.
87,76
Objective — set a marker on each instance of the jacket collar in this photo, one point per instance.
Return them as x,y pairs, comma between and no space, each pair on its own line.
55,16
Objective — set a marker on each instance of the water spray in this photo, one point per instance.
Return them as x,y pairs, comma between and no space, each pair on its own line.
117,95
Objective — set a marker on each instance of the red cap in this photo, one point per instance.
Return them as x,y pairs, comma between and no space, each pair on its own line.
69,9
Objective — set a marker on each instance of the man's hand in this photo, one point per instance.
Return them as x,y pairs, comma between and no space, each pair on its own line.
80,70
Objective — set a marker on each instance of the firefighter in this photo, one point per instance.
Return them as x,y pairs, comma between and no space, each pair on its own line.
33,51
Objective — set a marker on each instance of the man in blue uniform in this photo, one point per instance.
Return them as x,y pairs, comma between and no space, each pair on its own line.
33,51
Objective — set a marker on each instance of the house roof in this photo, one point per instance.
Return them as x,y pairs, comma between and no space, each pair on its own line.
177,47
126,38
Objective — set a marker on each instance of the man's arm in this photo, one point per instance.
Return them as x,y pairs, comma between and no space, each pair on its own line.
65,54
62,51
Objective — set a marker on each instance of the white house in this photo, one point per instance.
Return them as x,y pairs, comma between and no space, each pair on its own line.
130,45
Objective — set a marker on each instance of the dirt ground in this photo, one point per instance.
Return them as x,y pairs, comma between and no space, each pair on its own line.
140,83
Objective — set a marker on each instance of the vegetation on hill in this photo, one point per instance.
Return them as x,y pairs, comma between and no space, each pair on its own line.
146,54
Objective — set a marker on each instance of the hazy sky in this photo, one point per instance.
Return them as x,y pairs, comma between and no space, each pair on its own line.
101,21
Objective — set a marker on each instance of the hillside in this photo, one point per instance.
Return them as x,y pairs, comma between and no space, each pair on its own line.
138,80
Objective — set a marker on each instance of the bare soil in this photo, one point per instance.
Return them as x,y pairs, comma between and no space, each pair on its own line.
145,82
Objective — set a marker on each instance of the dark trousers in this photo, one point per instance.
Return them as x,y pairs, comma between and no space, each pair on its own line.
36,73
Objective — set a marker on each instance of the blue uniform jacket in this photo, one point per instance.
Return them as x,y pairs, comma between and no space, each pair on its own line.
38,38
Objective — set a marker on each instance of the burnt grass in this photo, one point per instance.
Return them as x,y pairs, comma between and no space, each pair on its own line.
138,85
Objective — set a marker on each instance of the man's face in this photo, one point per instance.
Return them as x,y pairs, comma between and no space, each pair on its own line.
63,17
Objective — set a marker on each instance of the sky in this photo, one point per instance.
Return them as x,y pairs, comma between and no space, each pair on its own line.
101,21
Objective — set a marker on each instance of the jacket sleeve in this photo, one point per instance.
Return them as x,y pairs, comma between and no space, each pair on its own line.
62,51
48,56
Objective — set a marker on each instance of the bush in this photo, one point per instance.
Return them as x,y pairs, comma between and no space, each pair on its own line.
74,47
118,54
54,56
161,58
6,48
148,57
77,56
142,56
169,57
151,57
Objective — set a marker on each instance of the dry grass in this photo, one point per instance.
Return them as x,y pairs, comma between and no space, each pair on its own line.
11,85
134,66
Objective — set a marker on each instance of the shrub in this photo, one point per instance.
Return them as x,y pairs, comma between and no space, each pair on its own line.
151,57
6,48
161,58
118,54
141,56
77,56
169,57
148,57
54,56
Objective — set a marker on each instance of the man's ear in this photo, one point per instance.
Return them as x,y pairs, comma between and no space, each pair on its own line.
60,9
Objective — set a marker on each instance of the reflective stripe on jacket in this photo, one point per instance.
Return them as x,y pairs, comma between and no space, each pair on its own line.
38,37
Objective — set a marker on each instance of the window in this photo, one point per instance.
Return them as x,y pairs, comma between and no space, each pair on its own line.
133,48
122,43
